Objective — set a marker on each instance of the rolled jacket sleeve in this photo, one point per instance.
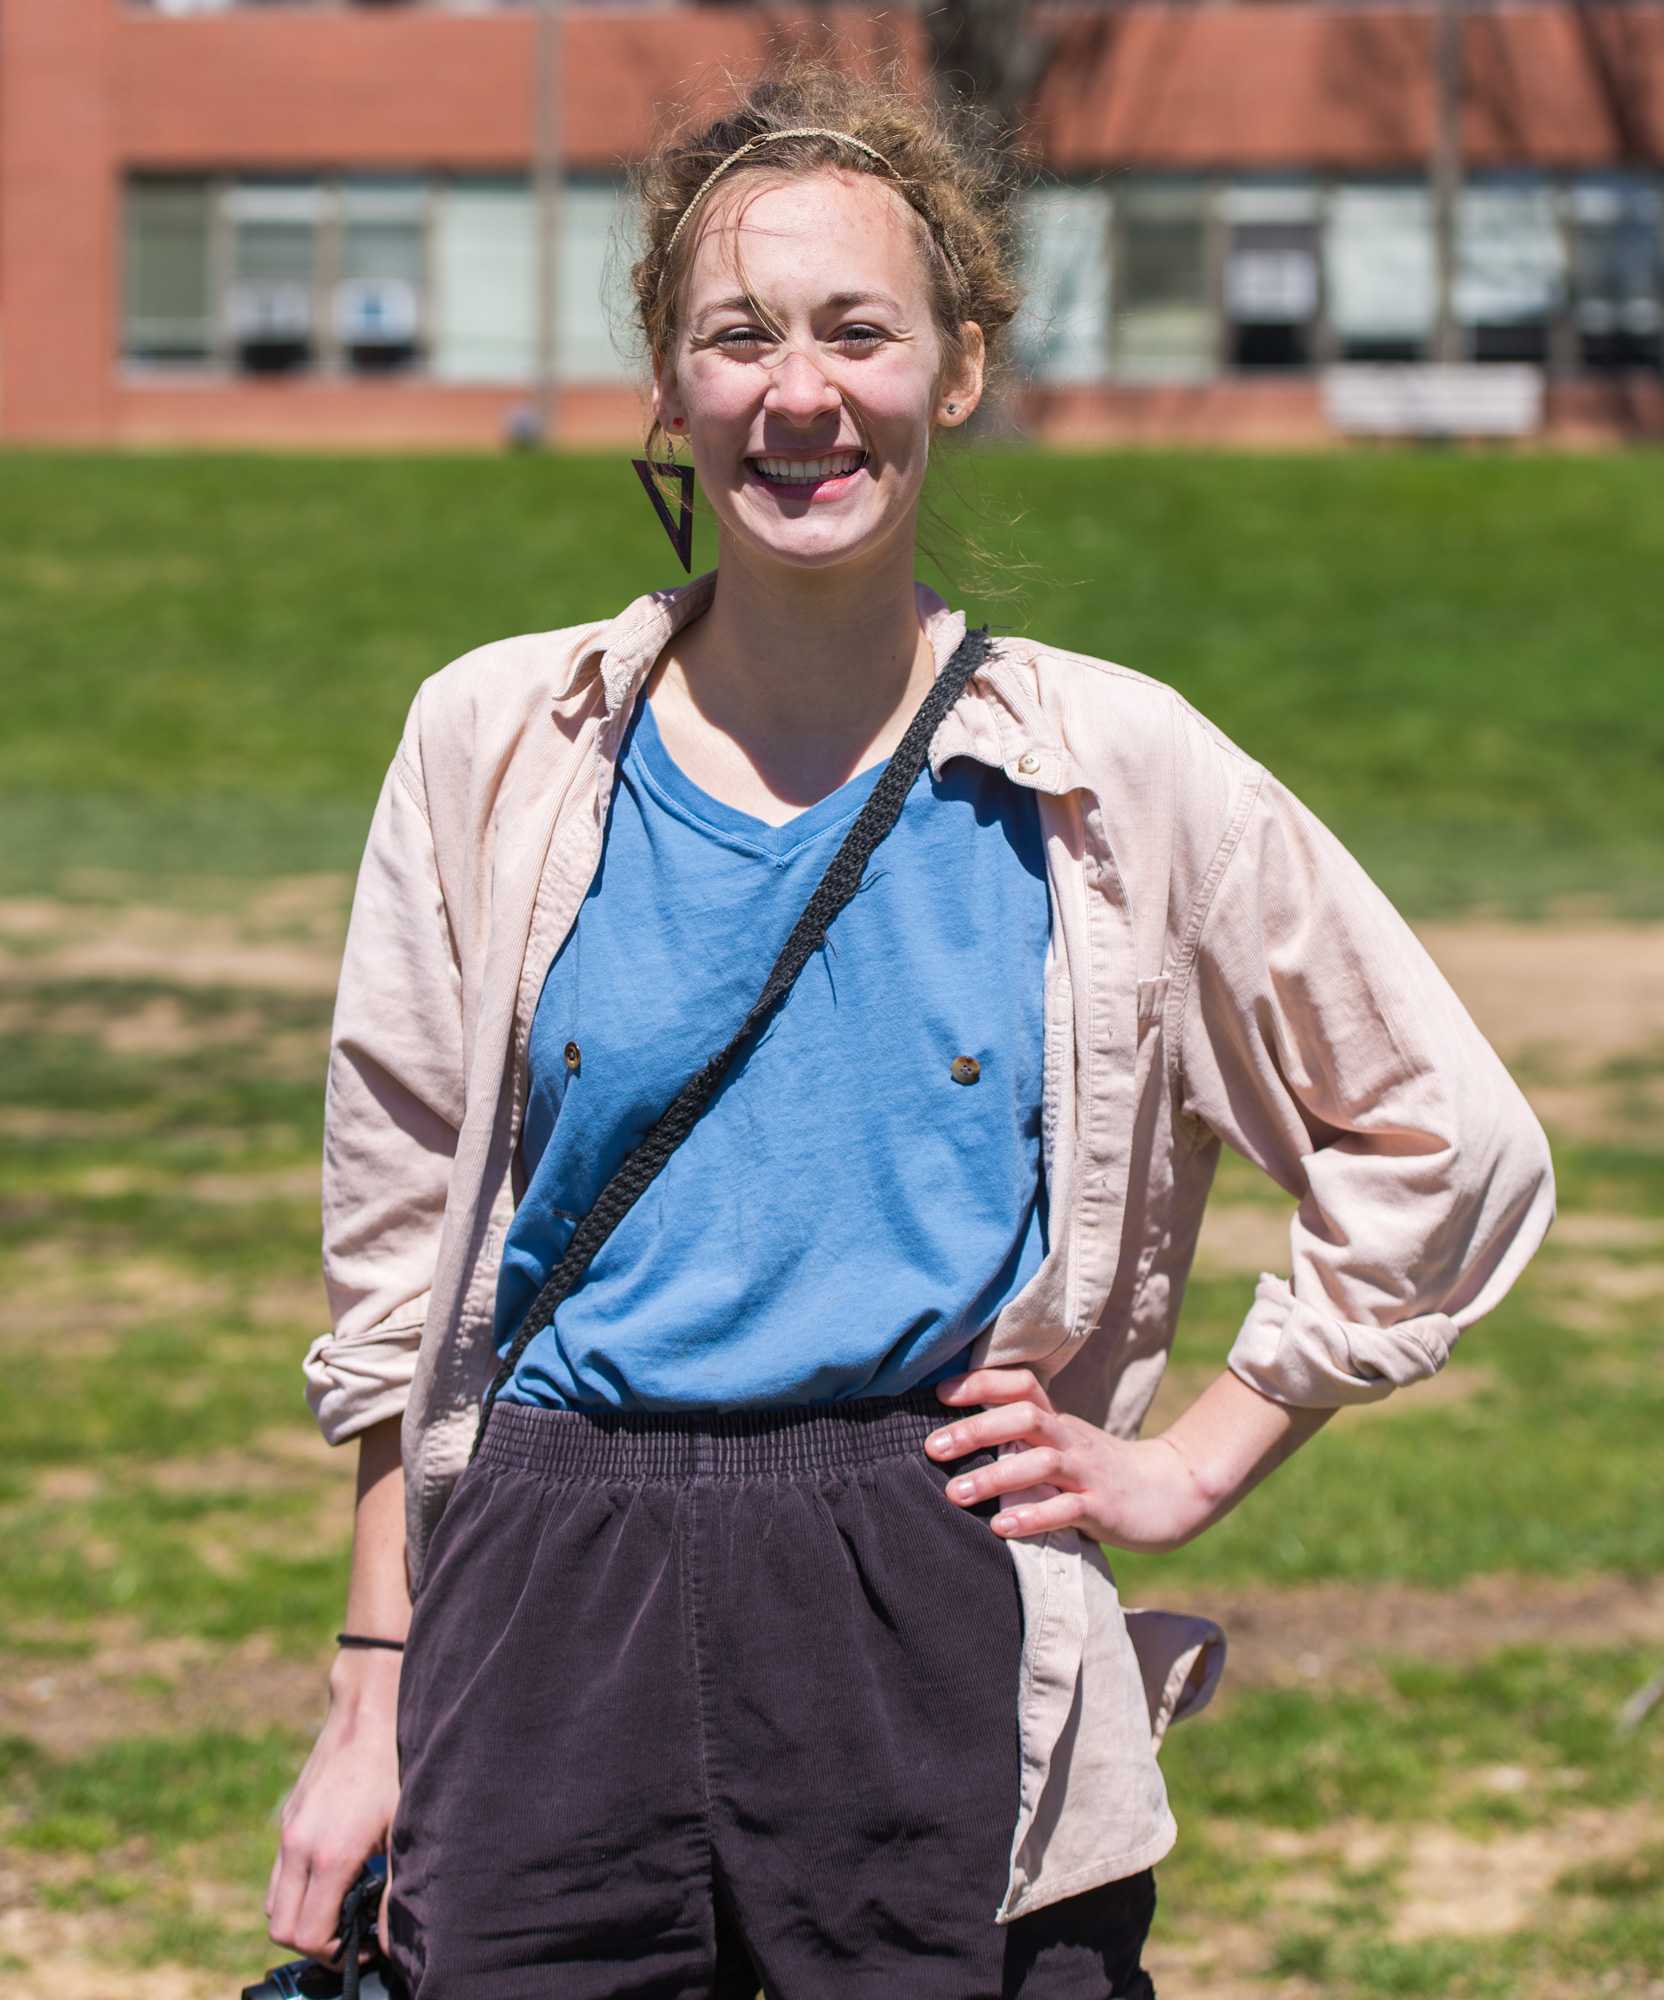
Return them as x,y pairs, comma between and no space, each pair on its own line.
1316,1036
392,1110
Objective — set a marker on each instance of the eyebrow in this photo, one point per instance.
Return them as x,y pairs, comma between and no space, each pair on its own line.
838,301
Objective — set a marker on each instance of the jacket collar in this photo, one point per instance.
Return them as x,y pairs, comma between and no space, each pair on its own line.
998,719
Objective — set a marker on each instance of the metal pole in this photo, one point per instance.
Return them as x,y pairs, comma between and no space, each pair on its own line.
546,198
1446,175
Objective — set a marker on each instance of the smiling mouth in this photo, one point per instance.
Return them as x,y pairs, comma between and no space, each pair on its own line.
803,474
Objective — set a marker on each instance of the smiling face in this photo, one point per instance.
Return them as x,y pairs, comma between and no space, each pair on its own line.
808,389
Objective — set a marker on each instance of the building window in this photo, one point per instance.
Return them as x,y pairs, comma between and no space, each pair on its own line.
1617,275
485,318
167,293
1378,270
380,299
373,275
1271,267
271,313
592,281
1061,333
1165,326
1510,269
486,322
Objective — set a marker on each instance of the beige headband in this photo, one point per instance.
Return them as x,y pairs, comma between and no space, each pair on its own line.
795,132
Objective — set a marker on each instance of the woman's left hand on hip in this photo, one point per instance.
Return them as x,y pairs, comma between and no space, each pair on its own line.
1138,1494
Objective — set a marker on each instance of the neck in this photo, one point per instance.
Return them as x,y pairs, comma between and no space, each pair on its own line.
786,653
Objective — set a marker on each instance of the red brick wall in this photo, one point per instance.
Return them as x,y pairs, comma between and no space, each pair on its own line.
91,89
1348,87
58,281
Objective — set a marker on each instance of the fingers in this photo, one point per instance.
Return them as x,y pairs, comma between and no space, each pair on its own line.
1042,1468
306,1906
1022,1419
1063,1510
994,1385
320,1910
284,1899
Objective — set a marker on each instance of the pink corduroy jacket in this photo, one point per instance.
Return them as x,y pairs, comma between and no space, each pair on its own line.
1220,969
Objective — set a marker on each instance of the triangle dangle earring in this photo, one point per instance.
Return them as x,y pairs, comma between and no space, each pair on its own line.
679,530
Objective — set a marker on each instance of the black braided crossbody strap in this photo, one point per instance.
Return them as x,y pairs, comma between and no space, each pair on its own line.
835,888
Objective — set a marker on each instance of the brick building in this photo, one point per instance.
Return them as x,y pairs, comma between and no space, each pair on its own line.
316,221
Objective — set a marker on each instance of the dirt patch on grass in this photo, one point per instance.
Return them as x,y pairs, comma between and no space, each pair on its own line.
1599,1295
1594,1269
1573,1005
162,1027
1427,1882
1333,1633
297,1183
1241,1239
25,919
1633,1234
1587,994
1600,1111
23,1124
47,1956
109,1182
54,1292
298,1467
159,1026
134,1686
56,1944
1453,1885
184,948
1227,1964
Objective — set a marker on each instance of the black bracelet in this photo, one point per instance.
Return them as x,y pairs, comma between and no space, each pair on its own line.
358,1639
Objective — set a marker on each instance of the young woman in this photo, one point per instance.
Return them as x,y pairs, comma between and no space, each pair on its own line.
762,1629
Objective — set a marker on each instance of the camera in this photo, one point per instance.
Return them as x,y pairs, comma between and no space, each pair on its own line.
308,1979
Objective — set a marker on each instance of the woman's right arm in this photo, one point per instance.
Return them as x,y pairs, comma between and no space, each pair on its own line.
342,1803
393,1104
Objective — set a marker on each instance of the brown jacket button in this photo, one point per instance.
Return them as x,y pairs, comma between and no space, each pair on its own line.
574,1055
966,1069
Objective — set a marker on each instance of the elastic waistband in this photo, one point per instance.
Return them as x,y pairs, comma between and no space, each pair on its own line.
659,1444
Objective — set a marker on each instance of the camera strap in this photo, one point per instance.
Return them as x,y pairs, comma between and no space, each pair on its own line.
358,1927
835,888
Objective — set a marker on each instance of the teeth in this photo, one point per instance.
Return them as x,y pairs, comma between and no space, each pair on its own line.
800,470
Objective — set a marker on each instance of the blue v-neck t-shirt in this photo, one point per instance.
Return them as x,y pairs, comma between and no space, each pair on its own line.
846,1216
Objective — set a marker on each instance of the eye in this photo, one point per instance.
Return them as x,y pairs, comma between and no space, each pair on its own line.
860,337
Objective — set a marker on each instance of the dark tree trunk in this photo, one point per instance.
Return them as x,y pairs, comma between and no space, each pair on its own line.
985,52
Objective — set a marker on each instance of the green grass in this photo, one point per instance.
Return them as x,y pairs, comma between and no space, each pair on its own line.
1452,657
167,1790
131,1826
1303,1758
1317,1764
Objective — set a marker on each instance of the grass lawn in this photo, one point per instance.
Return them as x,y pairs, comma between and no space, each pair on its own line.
1453,658
1412,1780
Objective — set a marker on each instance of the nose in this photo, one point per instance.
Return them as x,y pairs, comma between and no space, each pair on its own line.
798,388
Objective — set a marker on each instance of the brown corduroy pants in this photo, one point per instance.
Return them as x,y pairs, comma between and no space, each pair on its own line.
700,1701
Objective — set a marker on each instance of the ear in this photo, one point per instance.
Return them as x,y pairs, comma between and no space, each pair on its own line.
666,403
963,388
